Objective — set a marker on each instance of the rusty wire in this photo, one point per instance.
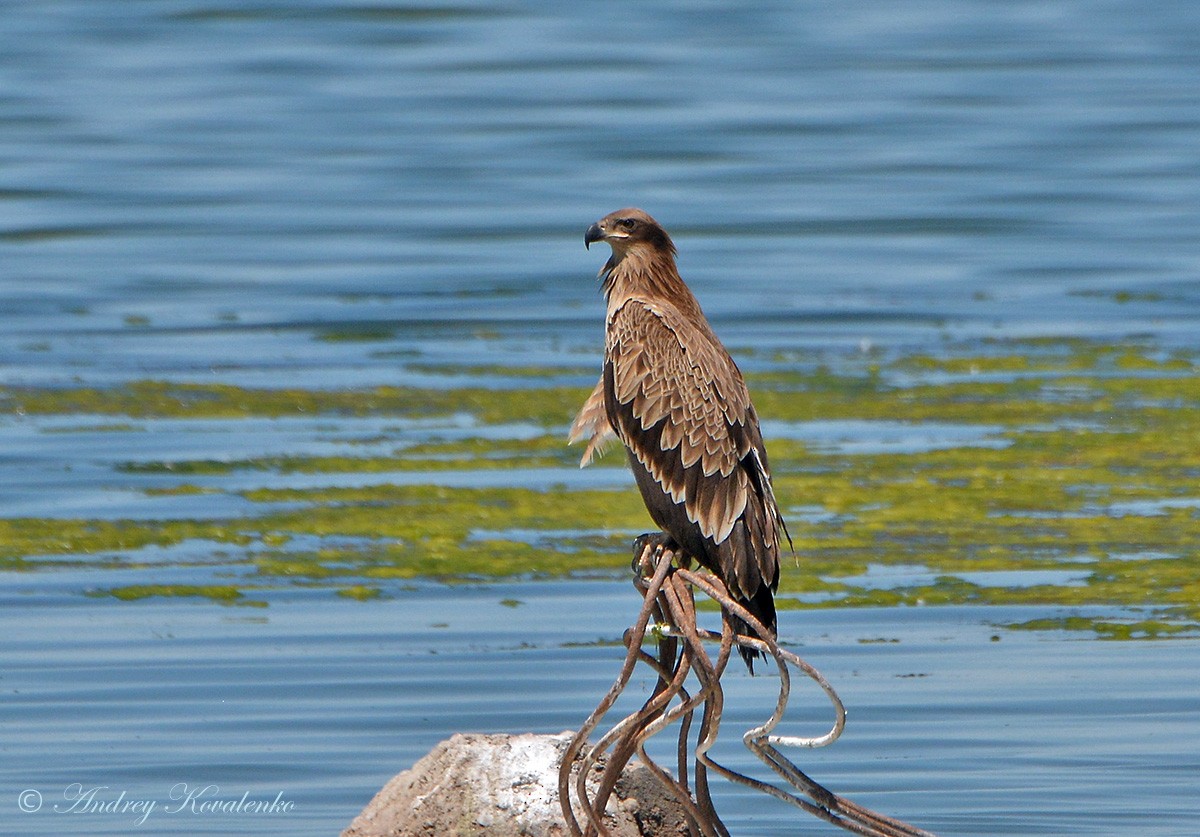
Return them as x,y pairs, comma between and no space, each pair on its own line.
667,589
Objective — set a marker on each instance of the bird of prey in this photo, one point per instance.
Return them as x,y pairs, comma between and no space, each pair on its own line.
674,397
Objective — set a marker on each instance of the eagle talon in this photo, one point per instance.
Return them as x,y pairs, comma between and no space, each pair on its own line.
648,551
671,393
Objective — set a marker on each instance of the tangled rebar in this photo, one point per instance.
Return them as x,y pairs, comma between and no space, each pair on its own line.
667,582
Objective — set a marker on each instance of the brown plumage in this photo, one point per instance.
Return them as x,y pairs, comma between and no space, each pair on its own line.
674,397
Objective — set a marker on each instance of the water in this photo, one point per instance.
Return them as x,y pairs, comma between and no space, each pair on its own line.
191,190
217,192
322,701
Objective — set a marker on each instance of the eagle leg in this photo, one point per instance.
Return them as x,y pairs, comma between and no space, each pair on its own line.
649,549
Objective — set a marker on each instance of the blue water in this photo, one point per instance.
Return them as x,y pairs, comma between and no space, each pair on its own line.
193,190
207,191
324,700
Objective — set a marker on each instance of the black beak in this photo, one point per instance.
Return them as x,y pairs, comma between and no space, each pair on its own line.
593,234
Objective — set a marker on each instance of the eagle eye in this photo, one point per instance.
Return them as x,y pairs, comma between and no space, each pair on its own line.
627,223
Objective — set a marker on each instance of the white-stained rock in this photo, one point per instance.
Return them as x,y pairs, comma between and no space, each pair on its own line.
507,786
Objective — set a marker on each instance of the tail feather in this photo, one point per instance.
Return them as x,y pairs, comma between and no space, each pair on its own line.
762,607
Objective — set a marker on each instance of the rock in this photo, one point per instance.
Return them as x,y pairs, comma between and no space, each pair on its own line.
507,786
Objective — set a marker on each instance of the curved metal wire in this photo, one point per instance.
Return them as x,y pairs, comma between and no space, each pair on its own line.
666,583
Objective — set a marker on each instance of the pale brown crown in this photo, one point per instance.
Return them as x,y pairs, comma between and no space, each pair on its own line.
627,229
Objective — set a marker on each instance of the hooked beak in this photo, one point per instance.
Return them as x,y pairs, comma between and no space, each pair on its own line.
593,234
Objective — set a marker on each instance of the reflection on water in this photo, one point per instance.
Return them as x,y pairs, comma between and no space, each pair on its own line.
327,194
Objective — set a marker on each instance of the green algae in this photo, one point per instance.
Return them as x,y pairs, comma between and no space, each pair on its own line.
221,594
166,399
32,543
426,531
114,427
475,454
183,490
1106,628
361,592
1095,471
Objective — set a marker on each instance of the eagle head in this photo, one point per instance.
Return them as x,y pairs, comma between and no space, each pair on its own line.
629,229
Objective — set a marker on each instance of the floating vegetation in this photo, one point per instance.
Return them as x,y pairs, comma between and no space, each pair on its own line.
167,399
111,427
221,594
1096,475
183,490
1107,628
473,454
360,592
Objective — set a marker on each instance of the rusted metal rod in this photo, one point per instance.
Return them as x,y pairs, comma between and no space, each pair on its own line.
667,584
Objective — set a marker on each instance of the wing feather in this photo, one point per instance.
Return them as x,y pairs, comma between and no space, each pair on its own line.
680,405
592,422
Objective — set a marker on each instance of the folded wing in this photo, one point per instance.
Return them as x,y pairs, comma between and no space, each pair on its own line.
679,403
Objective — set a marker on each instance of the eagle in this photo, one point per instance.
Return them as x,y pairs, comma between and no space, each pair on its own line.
676,400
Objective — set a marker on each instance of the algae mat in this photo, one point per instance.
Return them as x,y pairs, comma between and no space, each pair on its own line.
1011,472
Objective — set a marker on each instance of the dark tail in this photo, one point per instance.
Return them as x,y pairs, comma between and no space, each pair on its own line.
762,607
